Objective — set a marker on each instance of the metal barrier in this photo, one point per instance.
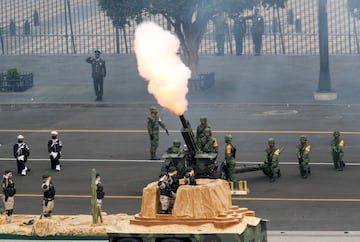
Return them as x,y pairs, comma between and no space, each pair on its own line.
79,27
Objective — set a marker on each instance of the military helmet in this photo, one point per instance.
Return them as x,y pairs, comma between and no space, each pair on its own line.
188,169
303,138
54,132
271,141
336,133
153,109
20,137
172,169
176,142
45,175
207,131
228,137
203,119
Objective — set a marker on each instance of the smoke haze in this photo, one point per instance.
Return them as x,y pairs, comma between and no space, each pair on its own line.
158,63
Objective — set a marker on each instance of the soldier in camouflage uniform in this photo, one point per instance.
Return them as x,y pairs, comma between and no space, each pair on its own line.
98,74
303,154
208,144
337,152
271,164
153,123
201,127
230,152
9,191
175,148
168,185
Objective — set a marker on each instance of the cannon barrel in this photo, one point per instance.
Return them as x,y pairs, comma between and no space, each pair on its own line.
189,136
251,168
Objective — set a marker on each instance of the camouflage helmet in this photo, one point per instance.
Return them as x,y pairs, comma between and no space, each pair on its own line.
207,131
153,109
303,138
271,141
176,142
336,133
228,137
203,119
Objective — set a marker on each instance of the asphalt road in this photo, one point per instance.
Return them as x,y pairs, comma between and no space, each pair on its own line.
114,141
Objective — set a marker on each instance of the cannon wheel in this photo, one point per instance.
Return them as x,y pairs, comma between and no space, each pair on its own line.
221,172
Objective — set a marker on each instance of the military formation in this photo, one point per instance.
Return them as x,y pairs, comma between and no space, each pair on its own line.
169,182
270,167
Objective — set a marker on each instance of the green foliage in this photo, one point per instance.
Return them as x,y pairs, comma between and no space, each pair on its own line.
13,74
274,3
354,8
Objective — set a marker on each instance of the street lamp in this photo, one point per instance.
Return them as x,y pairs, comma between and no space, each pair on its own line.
324,92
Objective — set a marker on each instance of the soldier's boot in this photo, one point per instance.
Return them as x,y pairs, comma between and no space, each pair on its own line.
272,179
23,172
163,211
278,173
340,168
58,167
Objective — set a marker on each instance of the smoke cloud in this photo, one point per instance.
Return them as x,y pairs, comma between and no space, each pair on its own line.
159,64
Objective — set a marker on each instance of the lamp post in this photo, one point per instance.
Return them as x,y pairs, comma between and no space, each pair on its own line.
324,92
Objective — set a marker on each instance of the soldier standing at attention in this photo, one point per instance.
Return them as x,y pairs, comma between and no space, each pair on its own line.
220,31
239,30
230,152
257,30
21,153
337,152
8,194
272,154
49,195
303,154
153,123
208,143
98,74
201,127
54,149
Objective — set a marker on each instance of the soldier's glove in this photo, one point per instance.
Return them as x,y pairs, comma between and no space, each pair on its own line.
167,131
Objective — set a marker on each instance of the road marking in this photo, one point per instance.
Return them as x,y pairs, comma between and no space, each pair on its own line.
284,199
177,131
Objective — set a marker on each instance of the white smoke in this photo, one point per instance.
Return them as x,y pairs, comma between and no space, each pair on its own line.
159,64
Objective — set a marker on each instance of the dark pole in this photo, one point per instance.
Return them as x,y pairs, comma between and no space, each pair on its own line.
324,76
66,30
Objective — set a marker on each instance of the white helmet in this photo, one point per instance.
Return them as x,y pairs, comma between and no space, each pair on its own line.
20,136
54,132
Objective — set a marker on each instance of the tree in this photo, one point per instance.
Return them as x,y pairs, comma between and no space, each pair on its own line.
188,18
121,12
276,4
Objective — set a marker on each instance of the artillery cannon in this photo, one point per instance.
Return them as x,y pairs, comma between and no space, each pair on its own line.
204,164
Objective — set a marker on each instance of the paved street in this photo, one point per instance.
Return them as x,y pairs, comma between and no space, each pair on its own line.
111,137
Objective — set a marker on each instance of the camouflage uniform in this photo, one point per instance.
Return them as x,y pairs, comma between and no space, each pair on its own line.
189,177
230,151
337,152
9,191
98,73
271,166
208,143
99,191
168,185
49,195
175,148
201,127
153,123
303,154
